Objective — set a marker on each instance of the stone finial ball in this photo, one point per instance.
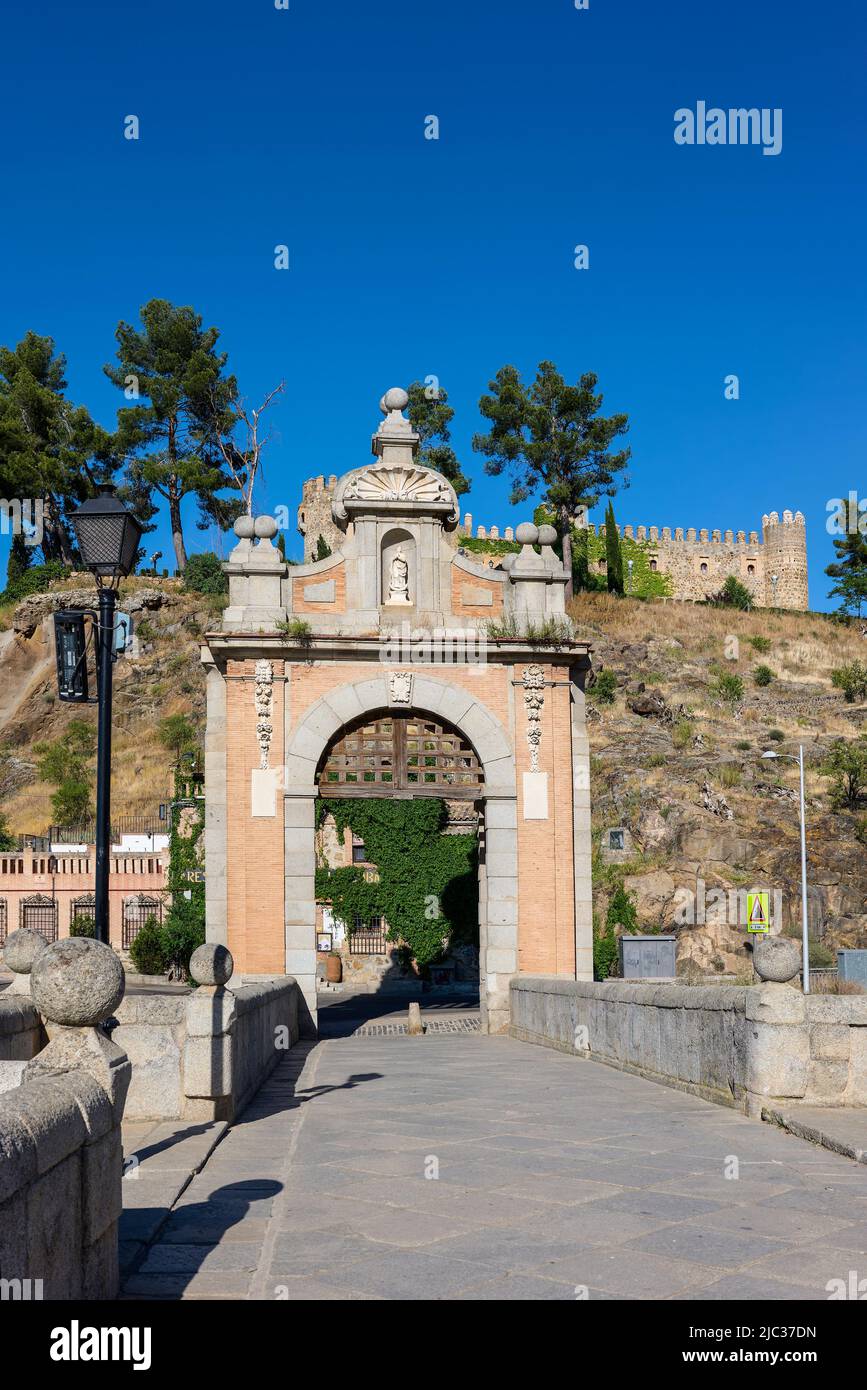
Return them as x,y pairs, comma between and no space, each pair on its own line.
527,533
547,534
244,528
265,527
211,964
776,958
395,398
22,950
77,982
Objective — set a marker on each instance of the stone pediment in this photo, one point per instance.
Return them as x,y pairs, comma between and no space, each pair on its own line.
398,491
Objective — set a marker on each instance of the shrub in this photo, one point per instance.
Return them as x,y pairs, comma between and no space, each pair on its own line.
34,580
776,735
204,575
182,934
604,688
177,734
605,952
82,926
622,910
729,687
763,675
295,630
820,957
852,680
861,830
734,594
728,775
147,950
743,745
760,644
682,734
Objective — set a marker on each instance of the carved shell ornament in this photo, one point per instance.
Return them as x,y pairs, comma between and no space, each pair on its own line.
415,487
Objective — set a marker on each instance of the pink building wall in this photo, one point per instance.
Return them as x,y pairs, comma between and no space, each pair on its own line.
62,878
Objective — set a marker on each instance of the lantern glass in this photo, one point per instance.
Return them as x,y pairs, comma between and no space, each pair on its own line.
108,535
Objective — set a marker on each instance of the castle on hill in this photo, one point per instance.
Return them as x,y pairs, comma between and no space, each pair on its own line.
773,566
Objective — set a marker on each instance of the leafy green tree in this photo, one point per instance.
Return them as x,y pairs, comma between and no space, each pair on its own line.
65,762
551,438
734,594
430,416
148,950
850,567
846,765
171,438
178,734
613,553
50,449
19,561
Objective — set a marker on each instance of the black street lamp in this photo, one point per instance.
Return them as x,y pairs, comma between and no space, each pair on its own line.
108,538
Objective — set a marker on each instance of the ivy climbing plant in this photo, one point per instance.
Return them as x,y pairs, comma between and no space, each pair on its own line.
427,880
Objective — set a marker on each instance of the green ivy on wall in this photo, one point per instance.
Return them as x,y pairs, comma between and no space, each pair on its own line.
497,546
427,888
588,548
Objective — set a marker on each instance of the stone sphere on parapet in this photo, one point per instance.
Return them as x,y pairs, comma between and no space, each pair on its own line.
776,959
211,964
265,527
244,528
23,948
77,982
547,534
395,398
527,533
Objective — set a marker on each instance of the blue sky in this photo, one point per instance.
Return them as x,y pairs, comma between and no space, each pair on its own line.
411,257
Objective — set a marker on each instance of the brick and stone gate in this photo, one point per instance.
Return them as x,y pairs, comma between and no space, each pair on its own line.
396,622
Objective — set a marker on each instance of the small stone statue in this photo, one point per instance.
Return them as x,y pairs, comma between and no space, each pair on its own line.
398,583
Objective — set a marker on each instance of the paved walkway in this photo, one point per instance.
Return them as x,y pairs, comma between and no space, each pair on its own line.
466,1167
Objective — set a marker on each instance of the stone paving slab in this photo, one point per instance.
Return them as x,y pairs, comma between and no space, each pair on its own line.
160,1159
843,1130
478,1168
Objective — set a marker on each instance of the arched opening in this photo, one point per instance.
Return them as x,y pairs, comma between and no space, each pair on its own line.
398,850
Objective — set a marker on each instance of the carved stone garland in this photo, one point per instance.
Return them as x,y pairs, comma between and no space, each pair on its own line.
534,684
264,707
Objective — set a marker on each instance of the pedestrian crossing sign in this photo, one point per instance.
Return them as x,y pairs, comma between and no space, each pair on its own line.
758,911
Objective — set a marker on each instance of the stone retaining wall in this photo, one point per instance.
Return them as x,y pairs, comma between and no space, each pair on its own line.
743,1047
203,1055
21,1032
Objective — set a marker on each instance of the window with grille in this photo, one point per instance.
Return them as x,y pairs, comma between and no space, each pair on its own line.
368,938
84,909
39,914
136,911
4,920
400,753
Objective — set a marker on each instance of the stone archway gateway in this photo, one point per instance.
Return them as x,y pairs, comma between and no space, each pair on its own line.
482,661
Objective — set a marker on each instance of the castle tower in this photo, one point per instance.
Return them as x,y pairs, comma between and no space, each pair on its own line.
785,561
314,516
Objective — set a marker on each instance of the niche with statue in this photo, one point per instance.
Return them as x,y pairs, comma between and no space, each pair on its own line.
398,568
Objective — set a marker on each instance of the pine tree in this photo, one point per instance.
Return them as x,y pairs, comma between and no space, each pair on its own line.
850,568
171,363
51,451
430,416
551,438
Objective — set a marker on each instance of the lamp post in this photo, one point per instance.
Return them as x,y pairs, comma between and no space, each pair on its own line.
805,934
629,564
108,537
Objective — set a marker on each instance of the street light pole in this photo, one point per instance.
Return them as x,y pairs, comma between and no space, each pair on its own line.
104,686
108,537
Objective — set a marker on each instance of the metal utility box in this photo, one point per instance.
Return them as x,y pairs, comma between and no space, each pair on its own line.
648,957
852,965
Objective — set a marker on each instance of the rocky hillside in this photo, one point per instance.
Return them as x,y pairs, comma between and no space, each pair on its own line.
161,676
676,761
